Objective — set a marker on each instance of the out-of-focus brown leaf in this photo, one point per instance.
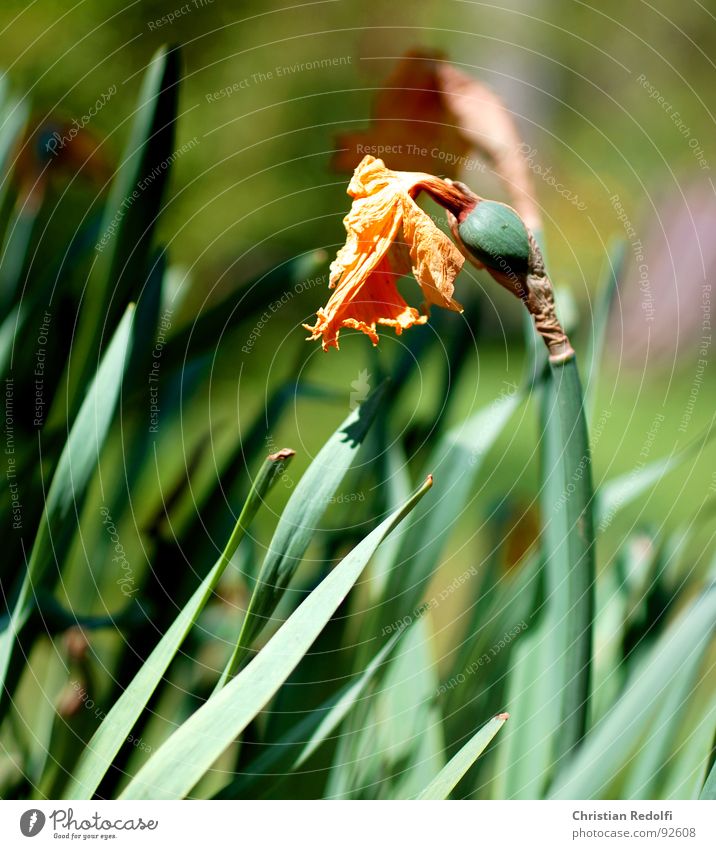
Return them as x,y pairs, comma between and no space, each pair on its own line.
488,126
410,123
430,116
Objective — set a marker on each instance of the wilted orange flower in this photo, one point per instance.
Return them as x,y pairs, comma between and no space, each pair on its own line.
389,236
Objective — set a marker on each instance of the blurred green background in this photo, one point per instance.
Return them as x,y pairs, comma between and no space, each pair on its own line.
613,104
594,92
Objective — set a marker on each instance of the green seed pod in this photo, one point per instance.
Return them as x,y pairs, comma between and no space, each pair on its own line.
496,236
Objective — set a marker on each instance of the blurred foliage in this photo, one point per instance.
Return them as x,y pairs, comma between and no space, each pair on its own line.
249,219
569,72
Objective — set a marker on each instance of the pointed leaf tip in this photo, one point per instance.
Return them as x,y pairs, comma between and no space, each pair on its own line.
283,454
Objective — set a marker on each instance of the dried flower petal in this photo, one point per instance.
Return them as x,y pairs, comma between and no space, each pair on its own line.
388,235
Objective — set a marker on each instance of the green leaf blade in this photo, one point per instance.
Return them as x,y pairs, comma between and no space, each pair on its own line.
610,744
449,777
111,734
76,465
184,758
130,216
568,547
299,521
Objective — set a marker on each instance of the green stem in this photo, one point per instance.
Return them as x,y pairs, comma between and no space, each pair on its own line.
568,545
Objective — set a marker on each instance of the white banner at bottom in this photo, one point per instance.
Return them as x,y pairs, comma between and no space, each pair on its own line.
355,824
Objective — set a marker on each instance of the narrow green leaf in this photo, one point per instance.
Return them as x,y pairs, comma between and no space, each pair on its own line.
500,609
568,546
397,489
76,465
184,758
206,513
9,329
111,734
449,777
299,522
455,462
644,774
295,747
394,744
612,742
13,117
346,700
709,788
14,252
600,317
524,757
611,623
689,763
131,213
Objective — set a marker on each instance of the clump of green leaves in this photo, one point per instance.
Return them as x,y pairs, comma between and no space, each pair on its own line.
201,667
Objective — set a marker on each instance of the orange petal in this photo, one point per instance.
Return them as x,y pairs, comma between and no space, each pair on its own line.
367,267
371,225
376,302
436,261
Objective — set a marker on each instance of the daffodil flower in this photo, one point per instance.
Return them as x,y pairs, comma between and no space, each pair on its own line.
389,236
